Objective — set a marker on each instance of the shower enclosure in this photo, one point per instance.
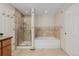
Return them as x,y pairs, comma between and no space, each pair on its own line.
26,35
24,30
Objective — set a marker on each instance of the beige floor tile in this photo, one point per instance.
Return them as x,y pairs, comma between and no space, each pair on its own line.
38,52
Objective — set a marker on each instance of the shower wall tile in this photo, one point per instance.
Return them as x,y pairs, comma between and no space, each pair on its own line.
19,27
27,28
48,31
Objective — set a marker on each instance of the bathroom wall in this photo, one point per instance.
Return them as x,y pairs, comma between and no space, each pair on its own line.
42,25
45,26
69,22
47,32
45,20
7,20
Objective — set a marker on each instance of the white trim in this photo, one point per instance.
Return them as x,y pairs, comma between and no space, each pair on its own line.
23,47
32,27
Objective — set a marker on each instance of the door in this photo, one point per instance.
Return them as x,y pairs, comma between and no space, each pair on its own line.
68,31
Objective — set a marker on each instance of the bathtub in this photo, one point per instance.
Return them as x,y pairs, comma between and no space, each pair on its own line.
47,42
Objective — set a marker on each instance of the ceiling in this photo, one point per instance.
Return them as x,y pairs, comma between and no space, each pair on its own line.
40,8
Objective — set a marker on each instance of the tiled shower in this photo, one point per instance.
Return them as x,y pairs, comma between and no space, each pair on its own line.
23,30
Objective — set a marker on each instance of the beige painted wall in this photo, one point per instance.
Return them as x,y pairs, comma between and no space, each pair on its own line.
45,20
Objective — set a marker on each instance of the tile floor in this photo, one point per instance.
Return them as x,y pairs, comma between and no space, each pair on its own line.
38,52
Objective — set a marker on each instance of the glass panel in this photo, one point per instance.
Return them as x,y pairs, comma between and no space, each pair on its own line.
23,30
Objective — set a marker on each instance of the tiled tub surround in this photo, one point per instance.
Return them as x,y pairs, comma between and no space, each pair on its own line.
48,32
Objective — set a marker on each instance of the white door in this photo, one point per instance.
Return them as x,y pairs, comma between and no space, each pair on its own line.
70,34
69,30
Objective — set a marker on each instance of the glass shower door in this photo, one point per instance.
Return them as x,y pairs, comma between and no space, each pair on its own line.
24,33
27,31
